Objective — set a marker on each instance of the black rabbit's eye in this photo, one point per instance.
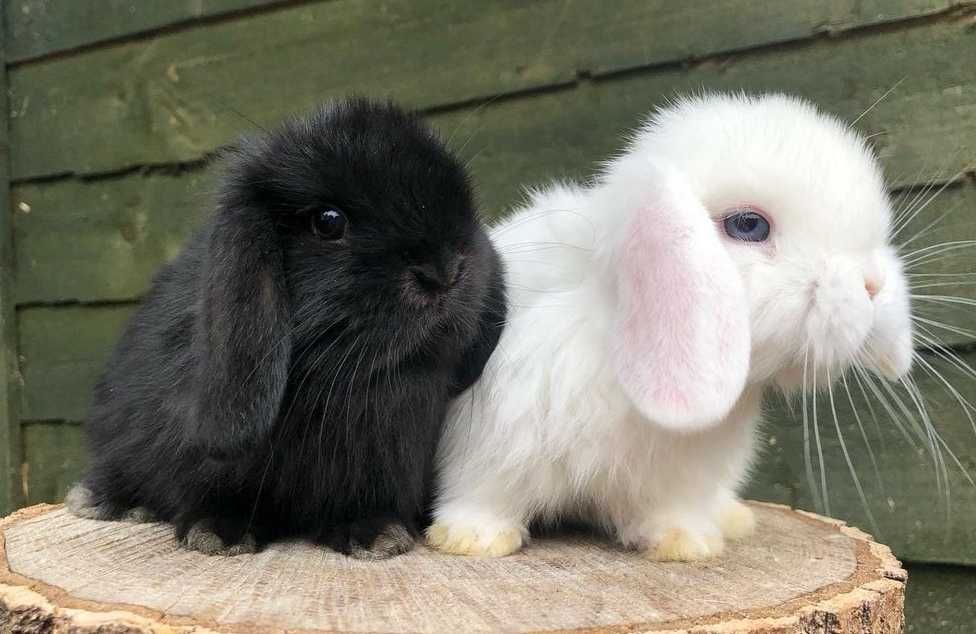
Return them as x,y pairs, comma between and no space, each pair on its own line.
746,225
328,223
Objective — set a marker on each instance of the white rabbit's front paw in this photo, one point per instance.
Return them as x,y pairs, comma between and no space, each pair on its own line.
679,544
736,520
455,539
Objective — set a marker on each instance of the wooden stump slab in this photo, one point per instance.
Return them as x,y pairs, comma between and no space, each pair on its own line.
799,573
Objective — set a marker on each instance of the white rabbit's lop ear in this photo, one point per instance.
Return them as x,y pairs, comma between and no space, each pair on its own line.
681,341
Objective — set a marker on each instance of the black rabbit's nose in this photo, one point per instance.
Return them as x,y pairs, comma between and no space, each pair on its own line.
435,278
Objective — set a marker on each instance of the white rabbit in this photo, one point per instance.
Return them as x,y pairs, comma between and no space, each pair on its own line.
739,243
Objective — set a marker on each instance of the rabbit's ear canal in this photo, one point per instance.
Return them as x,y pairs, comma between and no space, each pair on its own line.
681,340
243,332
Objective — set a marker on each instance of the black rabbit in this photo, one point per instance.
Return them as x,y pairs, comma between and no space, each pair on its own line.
288,373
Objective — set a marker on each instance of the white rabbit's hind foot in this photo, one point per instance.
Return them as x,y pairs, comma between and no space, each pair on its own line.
736,520
465,540
678,544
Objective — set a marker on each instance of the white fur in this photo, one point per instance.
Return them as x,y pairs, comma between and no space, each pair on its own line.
549,433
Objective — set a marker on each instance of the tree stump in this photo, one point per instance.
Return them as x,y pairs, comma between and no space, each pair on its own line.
799,573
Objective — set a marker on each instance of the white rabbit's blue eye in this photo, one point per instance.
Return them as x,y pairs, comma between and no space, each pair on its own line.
747,226
328,223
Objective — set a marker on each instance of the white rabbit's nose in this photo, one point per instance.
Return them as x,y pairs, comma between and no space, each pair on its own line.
874,276
872,286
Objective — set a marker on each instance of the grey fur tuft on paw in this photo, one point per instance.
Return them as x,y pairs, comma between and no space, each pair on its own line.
80,501
202,539
393,540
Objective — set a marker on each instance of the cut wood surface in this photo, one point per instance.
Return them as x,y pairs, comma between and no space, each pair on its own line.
798,574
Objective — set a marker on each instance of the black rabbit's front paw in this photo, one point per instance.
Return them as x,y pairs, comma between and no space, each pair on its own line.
82,502
223,538
372,539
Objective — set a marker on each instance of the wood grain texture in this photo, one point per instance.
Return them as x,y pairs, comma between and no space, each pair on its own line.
176,97
89,574
35,28
10,458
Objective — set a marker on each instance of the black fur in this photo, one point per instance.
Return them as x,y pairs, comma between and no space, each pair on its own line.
276,384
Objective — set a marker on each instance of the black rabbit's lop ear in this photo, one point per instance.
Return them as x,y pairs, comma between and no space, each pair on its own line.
243,333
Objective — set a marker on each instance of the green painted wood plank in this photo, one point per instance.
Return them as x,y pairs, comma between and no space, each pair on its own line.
174,98
84,240
940,600
62,352
10,459
54,457
35,28
912,515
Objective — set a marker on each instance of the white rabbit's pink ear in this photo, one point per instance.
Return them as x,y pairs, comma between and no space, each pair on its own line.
681,346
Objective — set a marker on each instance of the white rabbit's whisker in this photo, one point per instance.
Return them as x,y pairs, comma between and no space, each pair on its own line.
807,455
935,446
934,346
864,436
919,320
943,299
820,456
847,458
908,205
878,101
912,257
856,369
966,406
941,284
896,417
908,218
924,231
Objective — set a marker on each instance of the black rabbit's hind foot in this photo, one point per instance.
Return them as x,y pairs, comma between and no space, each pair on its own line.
205,537
372,539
